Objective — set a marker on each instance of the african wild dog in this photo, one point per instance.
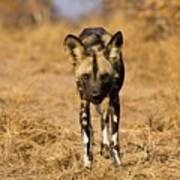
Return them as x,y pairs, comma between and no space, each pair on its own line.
99,72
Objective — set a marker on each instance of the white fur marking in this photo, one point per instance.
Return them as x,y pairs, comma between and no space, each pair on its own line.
114,138
115,118
116,156
105,136
84,122
84,115
86,139
116,75
104,115
87,162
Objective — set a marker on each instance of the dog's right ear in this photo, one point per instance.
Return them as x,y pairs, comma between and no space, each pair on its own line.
114,47
74,47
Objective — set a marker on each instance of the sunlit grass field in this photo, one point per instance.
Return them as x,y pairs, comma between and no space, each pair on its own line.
39,105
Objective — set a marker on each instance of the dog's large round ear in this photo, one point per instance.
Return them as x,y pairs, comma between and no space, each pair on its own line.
74,47
114,46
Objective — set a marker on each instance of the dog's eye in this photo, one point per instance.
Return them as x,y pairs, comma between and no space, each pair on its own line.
104,76
85,76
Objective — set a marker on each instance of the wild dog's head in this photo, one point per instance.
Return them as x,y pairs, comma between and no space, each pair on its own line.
94,69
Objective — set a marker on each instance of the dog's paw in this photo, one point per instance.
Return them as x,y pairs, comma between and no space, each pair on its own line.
115,157
105,151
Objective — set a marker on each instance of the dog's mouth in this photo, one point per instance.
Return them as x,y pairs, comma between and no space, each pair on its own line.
96,100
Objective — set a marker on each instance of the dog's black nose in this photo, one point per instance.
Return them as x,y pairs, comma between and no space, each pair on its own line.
96,95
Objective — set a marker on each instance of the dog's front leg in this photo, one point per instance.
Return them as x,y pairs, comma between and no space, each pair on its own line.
86,132
115,118
105,134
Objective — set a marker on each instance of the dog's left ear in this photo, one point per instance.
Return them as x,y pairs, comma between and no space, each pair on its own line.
74,48
114,46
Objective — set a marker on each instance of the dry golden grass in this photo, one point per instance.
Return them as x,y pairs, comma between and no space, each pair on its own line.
39,126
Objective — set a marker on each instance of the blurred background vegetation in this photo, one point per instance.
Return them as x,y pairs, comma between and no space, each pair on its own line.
161,17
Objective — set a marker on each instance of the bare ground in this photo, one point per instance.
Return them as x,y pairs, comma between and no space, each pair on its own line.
39,127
